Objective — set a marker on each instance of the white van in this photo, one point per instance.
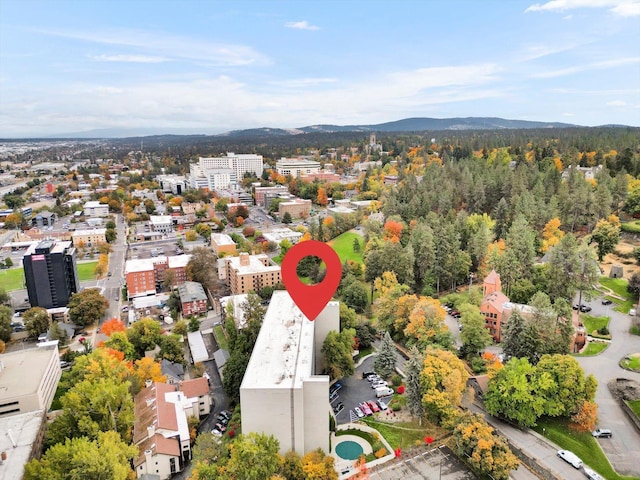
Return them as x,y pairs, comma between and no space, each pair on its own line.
570,458
383,392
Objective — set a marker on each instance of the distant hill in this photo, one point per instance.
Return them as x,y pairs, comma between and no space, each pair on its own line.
416,124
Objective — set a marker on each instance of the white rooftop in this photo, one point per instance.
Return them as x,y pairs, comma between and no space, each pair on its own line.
138,265
94,204
278,234
283,354
21,430
255,265
178,261
519,306
199,351
222,239
341,209
90,231
159,219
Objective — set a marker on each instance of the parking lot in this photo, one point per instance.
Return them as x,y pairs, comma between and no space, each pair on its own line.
355,390
423,463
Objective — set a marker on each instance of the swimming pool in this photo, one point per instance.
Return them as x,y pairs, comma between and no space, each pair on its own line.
349,450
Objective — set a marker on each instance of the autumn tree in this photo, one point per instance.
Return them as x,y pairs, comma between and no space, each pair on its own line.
606,235
87,307
444,379
36,320
316,465
585,418
202,267
148,369
5,323
426,324
112,326
385,359
120,342
487,454
254,456
322,198
106,456
551,234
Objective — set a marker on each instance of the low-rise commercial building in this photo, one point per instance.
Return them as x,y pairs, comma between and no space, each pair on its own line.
89,237
297,208
221,243
161,223
96,209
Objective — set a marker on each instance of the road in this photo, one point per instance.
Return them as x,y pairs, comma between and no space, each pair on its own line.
605,368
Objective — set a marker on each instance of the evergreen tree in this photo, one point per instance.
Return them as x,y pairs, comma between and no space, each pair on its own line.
385,362
413,369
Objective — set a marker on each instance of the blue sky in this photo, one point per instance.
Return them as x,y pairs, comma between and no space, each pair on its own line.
214,66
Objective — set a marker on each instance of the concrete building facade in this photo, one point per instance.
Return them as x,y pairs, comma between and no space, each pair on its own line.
90,238
260,193
29,379
297,167
51,273
96,209
250,272
297,208
161,223
281,377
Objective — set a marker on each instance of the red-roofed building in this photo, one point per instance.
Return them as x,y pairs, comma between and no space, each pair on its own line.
161,430
492,305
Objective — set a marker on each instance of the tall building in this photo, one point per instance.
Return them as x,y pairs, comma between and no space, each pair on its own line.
51,273
245,272
282,377
297,167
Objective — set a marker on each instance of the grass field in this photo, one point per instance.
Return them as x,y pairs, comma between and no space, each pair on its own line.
581,443
619,286
632,227
343,245
635,406
221,337
12,279
591,324
632,362
593,348
85,271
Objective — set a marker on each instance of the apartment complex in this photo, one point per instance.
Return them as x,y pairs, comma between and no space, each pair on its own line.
161,429
145,276
89,237
297,167
193,299
221,243
96,209
51,273
29,379
250,272
281,377
217,173
297,208
261,192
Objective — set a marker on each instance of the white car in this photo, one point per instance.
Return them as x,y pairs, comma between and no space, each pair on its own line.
216,433
591,474
359,412
571,458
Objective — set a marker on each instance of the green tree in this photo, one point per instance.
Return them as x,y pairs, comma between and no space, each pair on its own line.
475,336
348,317
291,468
254,457
37,322
385,360
423,253
144,335
119,341
194,324
357,247
286,218
4,296
337,350
606,235
171,348
564,269
202,267
356,296
512,395
5,323
106,457
413,369
514,342
180,328
87,307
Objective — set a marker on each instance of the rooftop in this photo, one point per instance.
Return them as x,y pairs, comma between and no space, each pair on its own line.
255,265
221,239
89,231
14,380
159,219
190,291
94,204
23,429
283,354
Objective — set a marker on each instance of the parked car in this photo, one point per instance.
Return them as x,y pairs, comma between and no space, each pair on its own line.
216,432
226,414
367,374
373,406
606,301
374,378
632,312
602,433
571,458
383,406
220,427
338,408
365,409
379,383
358,412
585,308
592,474
333,395
383,392
335,387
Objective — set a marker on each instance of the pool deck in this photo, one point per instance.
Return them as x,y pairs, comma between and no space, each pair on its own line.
341,462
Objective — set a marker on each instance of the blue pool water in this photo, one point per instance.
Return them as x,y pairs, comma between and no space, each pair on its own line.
349,450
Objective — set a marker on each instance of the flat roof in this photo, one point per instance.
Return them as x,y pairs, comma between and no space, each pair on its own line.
255,265
178,261
90,231
199,351
138,265
94,204
23,371
222,239
283,354
24,428
159,218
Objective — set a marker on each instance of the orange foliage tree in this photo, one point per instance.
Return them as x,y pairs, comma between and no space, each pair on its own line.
111,326
322,198
392,231
585,419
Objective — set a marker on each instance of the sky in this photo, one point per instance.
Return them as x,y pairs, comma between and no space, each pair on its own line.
213,66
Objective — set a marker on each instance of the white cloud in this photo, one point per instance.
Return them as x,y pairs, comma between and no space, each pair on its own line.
304,82
625,8
588,66
149,44
303,25
128,58
617,103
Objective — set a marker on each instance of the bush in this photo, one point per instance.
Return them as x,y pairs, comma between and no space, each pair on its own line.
604,331
381,453
396,380
248,231
478,365
400,389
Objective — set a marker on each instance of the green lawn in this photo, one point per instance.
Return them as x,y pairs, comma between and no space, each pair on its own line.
635,406
591,324
632,362
85,271
619,286
343,245
581,443
12,279
593,348
404,435
221,337
633,227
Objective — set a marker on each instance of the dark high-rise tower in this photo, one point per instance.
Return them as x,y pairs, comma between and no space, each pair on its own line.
51,273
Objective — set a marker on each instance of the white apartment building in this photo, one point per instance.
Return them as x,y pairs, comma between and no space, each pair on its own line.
281,395
296,167
239,163
161,223
96,209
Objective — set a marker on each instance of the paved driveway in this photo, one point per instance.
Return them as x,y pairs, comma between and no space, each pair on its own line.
623,448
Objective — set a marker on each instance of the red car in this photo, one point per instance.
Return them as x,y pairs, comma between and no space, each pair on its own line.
373,406
365,409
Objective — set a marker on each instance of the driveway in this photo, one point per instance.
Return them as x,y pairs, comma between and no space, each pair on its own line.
605,368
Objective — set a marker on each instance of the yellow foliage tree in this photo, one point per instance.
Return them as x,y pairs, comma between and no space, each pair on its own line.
551,234
318,466
444,380
190,235
148,369
426,321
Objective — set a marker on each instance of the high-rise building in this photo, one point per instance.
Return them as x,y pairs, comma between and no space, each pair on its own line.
51,273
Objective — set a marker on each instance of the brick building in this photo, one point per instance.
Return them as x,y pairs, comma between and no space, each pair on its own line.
145,276
297,208
250,272
193,299
222,243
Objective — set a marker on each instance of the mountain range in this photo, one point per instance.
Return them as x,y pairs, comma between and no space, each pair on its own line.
415,124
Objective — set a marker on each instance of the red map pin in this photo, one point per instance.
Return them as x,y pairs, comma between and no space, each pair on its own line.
311,299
